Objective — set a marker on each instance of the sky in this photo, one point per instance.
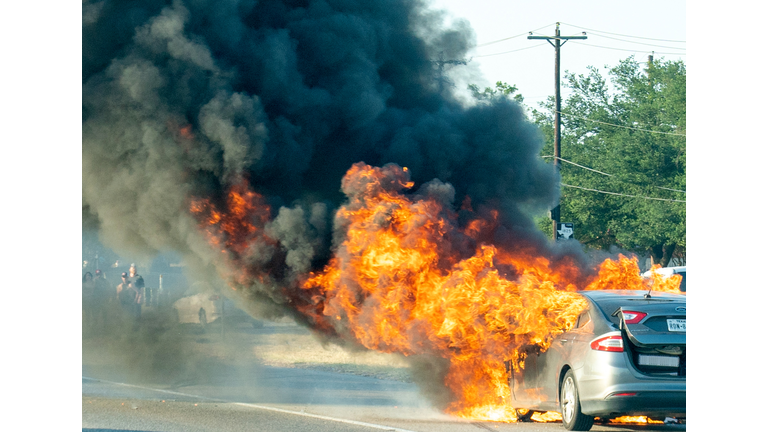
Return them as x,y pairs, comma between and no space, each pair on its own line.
615,30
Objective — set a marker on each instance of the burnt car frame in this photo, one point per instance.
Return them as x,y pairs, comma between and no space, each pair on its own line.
625,356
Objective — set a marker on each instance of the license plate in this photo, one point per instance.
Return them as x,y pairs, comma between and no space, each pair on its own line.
652,360
677,325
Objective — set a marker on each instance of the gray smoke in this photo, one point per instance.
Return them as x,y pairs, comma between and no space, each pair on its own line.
182,99
290,93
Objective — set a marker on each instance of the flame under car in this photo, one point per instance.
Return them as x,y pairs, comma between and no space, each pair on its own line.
624,357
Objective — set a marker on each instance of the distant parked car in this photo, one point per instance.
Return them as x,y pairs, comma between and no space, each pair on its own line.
669,271
625,356
202,304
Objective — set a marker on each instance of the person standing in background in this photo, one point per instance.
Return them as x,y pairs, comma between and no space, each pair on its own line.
136,289
123,296
102,296
88,295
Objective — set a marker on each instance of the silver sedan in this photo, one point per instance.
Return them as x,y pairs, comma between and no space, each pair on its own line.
624,357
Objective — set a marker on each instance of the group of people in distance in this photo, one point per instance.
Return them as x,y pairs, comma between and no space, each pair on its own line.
98,295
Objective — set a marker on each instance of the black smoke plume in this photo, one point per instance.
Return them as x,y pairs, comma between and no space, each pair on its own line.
183,99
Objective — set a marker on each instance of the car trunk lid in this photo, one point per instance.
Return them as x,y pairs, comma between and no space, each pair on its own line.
655,335
654,323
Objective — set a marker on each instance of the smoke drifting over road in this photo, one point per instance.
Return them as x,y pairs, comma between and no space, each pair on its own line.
264,106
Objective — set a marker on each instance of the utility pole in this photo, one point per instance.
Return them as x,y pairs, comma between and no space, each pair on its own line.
441,62
559,41
650,65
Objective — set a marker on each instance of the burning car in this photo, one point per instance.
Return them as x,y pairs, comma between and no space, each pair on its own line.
624,357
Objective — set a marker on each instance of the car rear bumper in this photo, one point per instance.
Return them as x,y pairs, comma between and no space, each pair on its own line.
609,386
647,403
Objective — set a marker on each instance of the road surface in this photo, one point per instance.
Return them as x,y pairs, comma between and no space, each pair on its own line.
127,391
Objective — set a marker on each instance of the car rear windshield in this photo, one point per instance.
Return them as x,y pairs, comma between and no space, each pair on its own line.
608,306
682,282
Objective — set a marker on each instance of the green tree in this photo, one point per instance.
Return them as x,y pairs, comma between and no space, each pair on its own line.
502,90
627,139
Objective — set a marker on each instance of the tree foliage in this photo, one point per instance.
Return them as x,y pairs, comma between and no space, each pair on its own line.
626,138
490,94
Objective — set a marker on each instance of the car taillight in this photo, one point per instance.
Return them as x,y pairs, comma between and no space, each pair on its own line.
608,343
632,317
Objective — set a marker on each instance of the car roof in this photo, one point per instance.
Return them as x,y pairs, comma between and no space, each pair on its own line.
608,301
598,295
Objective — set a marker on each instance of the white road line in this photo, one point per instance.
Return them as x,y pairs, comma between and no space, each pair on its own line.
261,407
353,422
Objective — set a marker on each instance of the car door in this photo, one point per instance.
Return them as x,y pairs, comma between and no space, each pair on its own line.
523,374
551,362
581,337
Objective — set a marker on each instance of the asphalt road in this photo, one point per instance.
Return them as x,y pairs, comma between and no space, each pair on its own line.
218,395
290,400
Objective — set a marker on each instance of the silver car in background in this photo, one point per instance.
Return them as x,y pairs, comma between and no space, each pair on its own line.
667,272
624,357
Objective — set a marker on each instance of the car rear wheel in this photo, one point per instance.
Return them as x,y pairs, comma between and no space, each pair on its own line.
573,418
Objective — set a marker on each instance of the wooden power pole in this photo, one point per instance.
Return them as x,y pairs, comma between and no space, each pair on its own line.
441,62
558,42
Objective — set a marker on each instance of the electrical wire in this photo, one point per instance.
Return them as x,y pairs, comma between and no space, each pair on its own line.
606,174
624,49
620,194
511,37
620,126
581,43
507,52
580,166
617,34
639,43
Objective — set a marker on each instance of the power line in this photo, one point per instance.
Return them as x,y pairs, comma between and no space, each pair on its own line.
624,49
617,34
511,37
507,52
620,194
580,166
580,43
620,126
610,175
639,43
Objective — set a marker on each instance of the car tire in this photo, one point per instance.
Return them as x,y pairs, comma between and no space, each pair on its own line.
201,315
570,406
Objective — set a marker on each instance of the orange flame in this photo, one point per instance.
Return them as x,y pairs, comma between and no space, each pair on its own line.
409,278
400,283
635,419
234,229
